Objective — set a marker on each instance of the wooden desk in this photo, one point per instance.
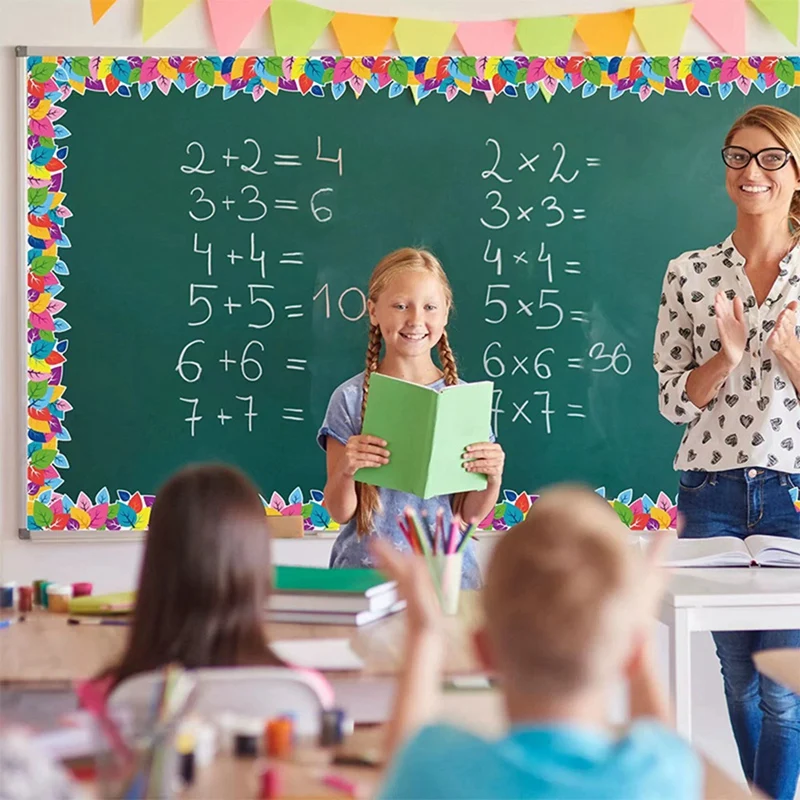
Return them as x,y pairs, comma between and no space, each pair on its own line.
726,599
47,653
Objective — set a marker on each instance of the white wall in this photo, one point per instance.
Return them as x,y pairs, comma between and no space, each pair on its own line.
65,26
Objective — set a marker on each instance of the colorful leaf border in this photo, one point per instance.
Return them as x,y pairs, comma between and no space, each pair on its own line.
51,79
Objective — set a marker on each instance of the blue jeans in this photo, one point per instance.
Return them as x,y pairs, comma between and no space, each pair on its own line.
764,715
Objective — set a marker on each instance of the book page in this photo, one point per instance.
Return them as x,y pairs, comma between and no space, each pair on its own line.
717,551
777,551
402,414
463,417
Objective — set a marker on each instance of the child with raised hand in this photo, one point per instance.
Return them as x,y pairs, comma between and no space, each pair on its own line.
409,304
568,610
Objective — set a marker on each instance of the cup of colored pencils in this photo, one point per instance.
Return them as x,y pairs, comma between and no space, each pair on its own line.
442,547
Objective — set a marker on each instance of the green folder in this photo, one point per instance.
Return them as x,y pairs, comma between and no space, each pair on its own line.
337,581
426,434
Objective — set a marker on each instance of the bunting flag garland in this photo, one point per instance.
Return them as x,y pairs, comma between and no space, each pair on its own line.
723,22
545,36
480,38
361,35
661,28
605,34
99,8
296,25
416,36
782,14
232,20
157,14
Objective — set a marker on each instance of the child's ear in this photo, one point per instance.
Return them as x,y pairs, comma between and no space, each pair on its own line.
373,320
483,650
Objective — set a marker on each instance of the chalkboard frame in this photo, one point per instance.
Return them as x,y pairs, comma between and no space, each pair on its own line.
49,80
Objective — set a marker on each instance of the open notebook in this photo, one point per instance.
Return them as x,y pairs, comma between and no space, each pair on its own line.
728,551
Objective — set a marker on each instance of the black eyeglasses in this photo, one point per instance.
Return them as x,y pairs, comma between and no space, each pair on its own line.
769,159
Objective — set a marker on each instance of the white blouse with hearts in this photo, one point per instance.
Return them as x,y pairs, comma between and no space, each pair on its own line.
755,419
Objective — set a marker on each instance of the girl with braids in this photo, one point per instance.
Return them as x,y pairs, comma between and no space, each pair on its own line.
409,303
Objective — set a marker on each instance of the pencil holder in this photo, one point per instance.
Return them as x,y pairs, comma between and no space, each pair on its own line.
448,579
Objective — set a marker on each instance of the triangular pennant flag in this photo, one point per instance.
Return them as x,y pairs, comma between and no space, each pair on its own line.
362,35
545,36
296,26
99,8
606,34
232,20
661,28
723,21
417,37
486,38
782,14
156,14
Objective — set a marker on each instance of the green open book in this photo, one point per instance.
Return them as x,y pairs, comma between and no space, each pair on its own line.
426,433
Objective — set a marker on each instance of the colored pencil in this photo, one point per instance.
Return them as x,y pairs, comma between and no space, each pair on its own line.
96,621
451,541
7,623
428,531
466,537
438,536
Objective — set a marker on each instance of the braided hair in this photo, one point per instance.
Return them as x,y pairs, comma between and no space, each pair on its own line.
407,258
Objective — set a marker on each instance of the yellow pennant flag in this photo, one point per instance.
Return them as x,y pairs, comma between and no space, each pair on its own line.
99,8
782,14
362,35
606,34
661,28
416,37
545,36
156,14
296,26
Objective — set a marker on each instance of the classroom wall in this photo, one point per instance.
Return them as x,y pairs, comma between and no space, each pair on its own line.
65,26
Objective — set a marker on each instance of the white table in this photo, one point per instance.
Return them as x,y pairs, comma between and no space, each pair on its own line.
726,599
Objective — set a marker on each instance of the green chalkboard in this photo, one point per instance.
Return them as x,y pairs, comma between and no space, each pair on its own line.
554,220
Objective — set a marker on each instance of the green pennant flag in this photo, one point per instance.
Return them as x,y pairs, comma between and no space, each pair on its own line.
296,26
782,14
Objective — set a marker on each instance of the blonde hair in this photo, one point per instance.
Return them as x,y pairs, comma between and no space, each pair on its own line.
407,259
560,595
785,127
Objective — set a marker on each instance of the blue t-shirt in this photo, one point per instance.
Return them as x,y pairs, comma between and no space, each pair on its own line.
343,420
556,762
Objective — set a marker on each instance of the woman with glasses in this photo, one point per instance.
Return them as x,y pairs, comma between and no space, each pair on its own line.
728,358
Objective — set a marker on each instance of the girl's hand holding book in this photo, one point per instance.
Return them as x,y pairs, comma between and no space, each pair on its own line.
364,451
485,458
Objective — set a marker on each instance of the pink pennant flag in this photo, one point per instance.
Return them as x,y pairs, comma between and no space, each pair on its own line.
232,20
724,22
487,38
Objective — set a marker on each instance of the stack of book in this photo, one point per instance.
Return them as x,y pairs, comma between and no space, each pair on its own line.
320,596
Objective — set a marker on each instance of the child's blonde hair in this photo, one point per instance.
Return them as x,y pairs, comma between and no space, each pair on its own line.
560,595
407,259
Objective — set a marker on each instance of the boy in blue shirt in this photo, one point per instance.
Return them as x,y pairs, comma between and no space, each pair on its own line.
568,609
